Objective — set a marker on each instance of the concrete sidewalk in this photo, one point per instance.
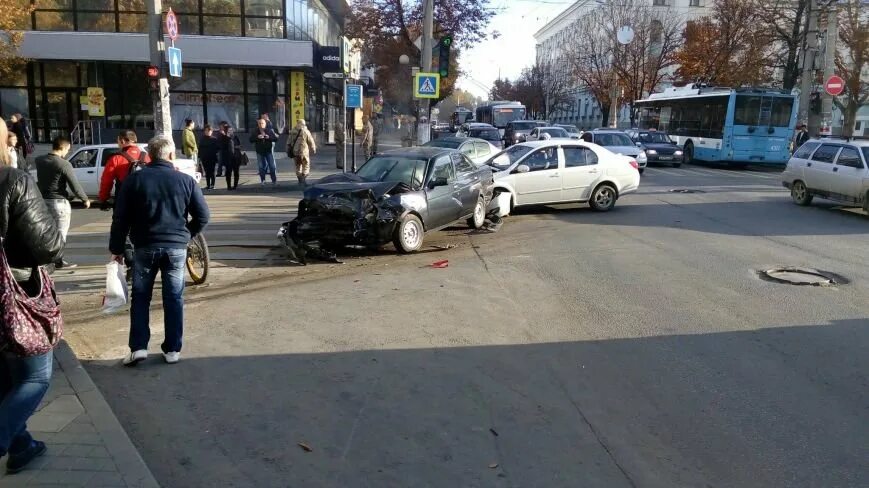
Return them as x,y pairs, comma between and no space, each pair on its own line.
86,444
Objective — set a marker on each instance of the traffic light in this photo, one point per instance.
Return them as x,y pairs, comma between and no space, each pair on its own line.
444,61
153,78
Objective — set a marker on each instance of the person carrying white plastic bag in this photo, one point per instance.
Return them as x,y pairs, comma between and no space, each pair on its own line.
116,295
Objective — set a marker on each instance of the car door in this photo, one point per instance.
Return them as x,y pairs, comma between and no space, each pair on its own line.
796,166
467,149
483,151
84,165
581,172
467,183
542,183
819,170
441,192
846,180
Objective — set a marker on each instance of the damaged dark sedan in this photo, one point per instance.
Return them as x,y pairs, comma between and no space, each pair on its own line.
396,196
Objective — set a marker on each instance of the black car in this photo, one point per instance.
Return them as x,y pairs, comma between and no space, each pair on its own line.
658,146
491,135
517,130
396,196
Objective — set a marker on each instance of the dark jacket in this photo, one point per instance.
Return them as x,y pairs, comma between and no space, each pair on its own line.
22,131
54,174
153,207
226,148
208,148
265,145
30,234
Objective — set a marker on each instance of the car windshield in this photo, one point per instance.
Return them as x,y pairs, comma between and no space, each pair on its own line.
654,137
508,156
606,139
555,132
524,125
407,170
487,134
570,129
449,143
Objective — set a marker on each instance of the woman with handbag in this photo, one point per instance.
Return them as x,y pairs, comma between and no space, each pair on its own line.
30,320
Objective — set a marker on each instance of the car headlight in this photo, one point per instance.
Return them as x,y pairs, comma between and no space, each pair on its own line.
677,153
651,151
641,156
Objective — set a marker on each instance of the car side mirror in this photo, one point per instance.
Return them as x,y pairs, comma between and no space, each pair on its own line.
523,168
639,144
436,182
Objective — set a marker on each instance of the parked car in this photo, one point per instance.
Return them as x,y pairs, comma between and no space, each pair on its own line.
488,134
833,169
571,130
517,130
88,163
477,150
537,133
561,171
618,142
658,146
395,196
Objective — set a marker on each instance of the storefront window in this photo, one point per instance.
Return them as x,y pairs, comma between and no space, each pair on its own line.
13,101
61,74
221,26
224,80
226,107
190,81
187,106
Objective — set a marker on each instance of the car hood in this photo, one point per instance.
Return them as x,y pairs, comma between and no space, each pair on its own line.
351,183
661,147
626,150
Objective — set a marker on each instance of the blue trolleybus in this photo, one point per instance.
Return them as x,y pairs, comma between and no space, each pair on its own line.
739,126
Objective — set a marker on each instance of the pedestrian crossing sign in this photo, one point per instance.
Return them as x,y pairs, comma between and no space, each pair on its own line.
427,85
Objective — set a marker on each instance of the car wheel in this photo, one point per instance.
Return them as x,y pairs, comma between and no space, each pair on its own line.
641,170
408,235
603,198
688,152
479,217
800,193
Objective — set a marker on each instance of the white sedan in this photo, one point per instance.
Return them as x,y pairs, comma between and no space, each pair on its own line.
88,163
561,171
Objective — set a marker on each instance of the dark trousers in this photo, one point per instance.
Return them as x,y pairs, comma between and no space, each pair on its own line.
231,176
23,383
146,263
209,167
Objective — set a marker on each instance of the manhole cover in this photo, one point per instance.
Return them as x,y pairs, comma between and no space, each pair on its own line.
802,276
686,190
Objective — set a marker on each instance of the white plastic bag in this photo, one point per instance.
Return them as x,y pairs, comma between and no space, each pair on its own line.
116,295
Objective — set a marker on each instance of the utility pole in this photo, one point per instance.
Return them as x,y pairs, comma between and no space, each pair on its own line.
423,133
160,96
810,51
831,38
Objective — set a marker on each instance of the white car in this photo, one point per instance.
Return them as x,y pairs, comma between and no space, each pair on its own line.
88,163
477,150
544,133
561,171
834,169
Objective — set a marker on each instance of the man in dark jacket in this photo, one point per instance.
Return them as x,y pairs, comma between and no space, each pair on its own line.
153,207
264,140
30,239
54,174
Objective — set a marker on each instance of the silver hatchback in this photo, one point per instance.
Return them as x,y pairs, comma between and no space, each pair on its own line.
833,169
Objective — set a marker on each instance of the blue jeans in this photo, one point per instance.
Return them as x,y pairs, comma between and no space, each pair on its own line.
170,263
23,383
266,164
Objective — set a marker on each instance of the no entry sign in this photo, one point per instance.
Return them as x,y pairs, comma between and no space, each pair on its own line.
171,25
834,86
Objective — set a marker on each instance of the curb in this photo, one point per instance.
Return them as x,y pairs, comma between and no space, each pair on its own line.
127,459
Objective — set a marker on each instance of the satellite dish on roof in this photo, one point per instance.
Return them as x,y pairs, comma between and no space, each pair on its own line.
625,35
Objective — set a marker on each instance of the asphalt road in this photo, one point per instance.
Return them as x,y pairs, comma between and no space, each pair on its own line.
636,348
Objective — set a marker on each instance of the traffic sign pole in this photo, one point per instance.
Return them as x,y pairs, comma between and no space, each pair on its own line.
160,96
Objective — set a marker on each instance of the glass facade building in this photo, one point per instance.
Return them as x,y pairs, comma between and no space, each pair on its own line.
223,84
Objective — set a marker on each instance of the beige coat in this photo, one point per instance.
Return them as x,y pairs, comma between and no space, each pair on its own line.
304,144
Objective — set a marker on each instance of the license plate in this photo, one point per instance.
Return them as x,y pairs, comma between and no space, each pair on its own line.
665,158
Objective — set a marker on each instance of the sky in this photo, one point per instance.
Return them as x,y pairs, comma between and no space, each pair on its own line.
513,50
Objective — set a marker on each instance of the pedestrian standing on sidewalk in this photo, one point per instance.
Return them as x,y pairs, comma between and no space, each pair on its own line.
188,140
30,239
367,137
228,142
340,137
21,129
264,139
161,209
10,148
54,174
119,166
208,154
300,147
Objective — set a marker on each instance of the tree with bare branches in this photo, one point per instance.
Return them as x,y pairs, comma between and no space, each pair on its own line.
544,89
784,21
852,60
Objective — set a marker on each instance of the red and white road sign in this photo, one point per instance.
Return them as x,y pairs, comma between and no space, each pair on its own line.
171,25
834,86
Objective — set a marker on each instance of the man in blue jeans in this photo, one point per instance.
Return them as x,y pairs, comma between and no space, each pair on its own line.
264,139
153,207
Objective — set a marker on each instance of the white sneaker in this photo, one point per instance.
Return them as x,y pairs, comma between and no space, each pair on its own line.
171,357
135,357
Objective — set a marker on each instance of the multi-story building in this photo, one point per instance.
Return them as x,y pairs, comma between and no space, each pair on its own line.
241,58
584,111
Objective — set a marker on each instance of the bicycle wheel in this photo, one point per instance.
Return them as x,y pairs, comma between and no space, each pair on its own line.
197,259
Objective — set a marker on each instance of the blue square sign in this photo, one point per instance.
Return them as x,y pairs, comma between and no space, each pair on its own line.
353,96
427,85
173,55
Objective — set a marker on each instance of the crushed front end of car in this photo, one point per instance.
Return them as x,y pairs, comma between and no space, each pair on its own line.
342,210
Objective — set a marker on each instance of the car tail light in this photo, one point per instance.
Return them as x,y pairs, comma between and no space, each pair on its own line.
634,164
